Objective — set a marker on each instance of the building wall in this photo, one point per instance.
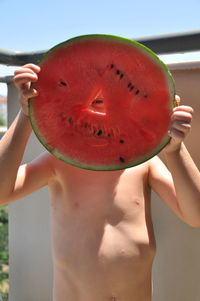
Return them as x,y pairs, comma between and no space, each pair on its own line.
3,108
29,233
176,270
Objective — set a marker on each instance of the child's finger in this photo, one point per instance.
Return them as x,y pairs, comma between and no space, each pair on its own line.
29,93
28,68
26,75
23,78
23,70
33,67
181,126
182,116
177,135
183,108
178,100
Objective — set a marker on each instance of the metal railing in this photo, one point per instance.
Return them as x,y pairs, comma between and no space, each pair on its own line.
165,44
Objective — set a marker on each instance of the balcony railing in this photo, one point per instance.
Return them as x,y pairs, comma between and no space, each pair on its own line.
165,44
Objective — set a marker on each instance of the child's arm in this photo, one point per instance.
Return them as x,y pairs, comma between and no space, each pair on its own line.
179,188
14,180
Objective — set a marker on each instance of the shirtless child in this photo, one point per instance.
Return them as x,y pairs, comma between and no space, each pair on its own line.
103,240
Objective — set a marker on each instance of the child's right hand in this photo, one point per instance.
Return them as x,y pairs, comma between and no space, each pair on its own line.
23,77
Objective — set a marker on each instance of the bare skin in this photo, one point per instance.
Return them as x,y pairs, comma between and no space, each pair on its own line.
103,240
109,243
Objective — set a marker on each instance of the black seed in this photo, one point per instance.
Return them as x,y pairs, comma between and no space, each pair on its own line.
70,120
145,96
131,88
97,101
121,159
112,66
121,141
137,92
63,84
99,133
118,72
129,85
121,75
109,135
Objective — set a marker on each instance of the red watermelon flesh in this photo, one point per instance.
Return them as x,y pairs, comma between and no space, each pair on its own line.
104,102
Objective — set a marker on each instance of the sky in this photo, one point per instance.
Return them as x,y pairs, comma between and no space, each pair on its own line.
41,24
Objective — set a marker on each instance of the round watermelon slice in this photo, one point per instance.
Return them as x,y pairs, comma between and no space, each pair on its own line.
104,102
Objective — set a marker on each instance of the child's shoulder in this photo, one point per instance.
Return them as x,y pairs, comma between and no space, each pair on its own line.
144,168
140,168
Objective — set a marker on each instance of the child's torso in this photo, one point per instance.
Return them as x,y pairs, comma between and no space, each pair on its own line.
103,241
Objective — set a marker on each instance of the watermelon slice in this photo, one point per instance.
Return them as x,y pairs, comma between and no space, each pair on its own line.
104,102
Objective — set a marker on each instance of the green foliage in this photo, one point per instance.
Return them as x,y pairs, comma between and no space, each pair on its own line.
4,257
2,122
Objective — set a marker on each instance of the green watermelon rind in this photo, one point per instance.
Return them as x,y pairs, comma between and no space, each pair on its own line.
111,167
77,163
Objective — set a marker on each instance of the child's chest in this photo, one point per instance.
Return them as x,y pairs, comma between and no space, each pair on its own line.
82,191
109,217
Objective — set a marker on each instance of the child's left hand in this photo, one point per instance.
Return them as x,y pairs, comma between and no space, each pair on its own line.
180,126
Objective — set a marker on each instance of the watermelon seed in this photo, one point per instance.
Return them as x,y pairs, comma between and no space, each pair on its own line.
112,66
70,120
121,75
137,92
121,141
97,101
63,83
99,133
118,72
130,86
145,96
121,159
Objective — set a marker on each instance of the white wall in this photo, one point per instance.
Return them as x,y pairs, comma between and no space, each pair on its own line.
176,270
29,235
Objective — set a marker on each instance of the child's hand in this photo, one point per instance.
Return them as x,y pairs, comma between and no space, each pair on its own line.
180,126
23,77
